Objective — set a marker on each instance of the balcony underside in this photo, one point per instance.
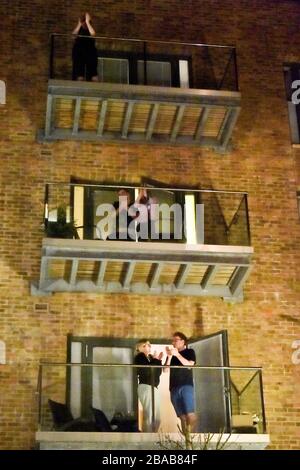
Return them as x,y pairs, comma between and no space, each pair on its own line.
141,441
140,114
143,268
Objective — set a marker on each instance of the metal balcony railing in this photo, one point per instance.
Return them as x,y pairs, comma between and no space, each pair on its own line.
227,399
154,92
173,215
207,66
154,240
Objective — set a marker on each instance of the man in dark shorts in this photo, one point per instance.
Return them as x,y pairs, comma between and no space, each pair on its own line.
181,380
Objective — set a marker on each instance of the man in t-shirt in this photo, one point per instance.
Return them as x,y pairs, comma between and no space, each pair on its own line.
181,380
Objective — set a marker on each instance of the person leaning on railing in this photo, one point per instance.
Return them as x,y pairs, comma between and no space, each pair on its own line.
148,382
84,53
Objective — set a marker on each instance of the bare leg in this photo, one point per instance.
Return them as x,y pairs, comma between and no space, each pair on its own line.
186,430
183,423
191,420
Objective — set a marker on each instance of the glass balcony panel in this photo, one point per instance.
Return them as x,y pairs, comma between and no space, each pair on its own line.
173,215
227,400
113,70
158,73
246,401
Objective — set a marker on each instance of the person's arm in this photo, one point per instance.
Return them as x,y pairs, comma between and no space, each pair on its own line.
183,360
89,26
133,211
142,194
168,360
139,209
156,361
76,30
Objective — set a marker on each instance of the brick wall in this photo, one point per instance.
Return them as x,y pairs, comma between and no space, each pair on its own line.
262,162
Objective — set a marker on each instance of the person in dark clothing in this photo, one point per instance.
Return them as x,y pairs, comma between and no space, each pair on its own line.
181,380
84,53
124,214
148,378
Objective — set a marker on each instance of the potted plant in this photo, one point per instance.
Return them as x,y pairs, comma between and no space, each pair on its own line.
61,228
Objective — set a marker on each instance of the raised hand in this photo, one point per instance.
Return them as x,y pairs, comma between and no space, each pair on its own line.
174,352
158,356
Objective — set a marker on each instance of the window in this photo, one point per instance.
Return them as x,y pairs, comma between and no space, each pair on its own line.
90,220
291,76
158,72
90,388
121,67
113,70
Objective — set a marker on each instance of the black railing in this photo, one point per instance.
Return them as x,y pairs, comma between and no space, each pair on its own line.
207,66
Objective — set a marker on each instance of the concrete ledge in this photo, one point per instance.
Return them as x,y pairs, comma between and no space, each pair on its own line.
111,246
99,90
52,440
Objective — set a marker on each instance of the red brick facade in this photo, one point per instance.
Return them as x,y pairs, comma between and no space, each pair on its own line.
262,328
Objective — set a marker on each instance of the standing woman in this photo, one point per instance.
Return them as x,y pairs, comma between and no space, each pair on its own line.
84,54
148,380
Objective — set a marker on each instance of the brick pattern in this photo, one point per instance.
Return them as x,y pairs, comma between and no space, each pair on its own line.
262,162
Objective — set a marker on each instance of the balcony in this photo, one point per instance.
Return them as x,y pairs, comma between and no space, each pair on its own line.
197,242
149,92
228,400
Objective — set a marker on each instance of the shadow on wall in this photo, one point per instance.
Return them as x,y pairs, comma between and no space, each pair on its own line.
192,316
